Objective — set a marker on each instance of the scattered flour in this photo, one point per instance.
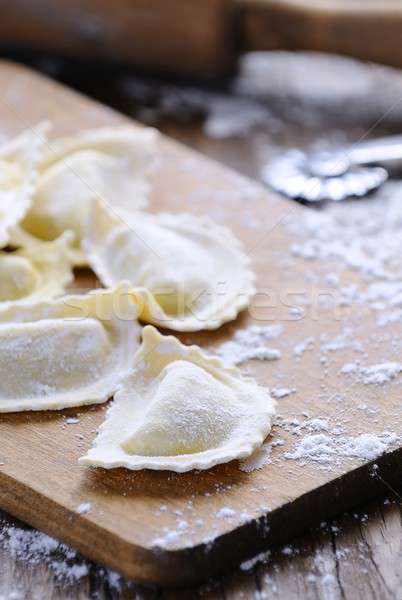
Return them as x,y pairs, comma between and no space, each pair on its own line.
282,392
308,425
345,340
164,541
301,347
259,459
349,368
326,449
225,513
366,446
366,239
381,373
250,344
319,448
35,548
84,508
318,424
378,374
263,557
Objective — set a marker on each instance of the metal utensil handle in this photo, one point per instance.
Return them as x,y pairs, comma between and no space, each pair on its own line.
385,151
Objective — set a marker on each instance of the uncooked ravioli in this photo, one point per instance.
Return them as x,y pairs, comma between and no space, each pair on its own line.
190,273
19,160
68,352
40,271
179,410
109,163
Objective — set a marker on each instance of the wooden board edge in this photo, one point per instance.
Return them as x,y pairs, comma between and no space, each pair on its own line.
197,564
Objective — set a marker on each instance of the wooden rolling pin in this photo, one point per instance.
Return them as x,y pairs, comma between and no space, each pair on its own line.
202,36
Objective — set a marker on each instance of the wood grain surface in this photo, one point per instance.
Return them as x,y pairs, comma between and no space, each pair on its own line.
40,480
355,557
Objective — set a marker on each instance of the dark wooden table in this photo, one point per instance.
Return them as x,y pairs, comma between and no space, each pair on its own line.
357,556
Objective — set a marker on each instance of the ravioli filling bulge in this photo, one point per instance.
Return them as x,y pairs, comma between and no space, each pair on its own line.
18,277
53,212
189,412
172,267
51,356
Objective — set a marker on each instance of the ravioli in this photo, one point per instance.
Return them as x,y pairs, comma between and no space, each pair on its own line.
189,273
67,352
40,271
179,410
19,160
112,163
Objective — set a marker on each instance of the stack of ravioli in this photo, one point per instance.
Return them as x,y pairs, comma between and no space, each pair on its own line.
81,201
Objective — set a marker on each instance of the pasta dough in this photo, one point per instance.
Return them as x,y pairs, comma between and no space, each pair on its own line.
69,352
180,409
109,163
40,271
189,273
19,160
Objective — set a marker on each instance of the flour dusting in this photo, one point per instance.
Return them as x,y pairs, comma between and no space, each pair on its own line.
34,548
84,508
377,374
250,344
259,459
329,449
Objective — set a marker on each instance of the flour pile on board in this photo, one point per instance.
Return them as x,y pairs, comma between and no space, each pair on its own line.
328,449
377,374
250,344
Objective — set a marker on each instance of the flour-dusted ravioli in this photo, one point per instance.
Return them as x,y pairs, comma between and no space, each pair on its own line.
190,273
180,409
112,163
67,352
19,160
40,271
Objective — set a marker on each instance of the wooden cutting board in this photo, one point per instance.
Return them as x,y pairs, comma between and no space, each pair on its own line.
168,528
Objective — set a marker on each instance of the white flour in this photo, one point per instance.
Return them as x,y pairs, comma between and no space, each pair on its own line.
250,344
35,548
282,392
329,449
303,346
84,508
259,459
225,513
366,238
378,374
